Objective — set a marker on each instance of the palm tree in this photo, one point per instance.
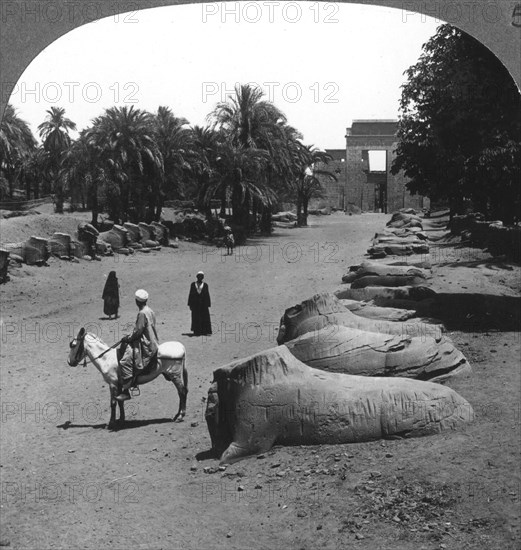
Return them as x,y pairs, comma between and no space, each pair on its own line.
84,172
308,183
240,171
205,150
17,143
175,143
54,132
126,137
249,123
33,168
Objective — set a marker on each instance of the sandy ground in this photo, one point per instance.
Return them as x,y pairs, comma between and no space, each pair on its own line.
69,483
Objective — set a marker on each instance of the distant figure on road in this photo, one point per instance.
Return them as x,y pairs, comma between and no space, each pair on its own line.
199,304
111,296
229,241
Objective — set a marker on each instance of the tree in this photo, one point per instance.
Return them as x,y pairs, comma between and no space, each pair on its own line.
17,144
54,132
307,184
460,127
206,144
134,164
174,141
33,167
85,172
248,123
232,170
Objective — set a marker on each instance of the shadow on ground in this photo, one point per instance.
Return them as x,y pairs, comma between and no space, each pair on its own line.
125,425
477,312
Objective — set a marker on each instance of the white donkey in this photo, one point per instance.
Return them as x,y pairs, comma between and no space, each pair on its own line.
170,363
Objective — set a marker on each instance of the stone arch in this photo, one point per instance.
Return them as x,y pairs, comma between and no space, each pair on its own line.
27,27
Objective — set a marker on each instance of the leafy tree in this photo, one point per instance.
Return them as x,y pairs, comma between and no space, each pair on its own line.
85,172
460,127
206,144
307,184
175,143
248,123
134,165
17,144
54,132
33,168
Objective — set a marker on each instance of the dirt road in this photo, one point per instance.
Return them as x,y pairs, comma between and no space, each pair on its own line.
69,483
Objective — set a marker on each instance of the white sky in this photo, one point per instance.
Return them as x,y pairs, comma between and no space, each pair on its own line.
323,74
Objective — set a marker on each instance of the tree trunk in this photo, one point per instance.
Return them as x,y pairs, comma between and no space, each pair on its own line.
159,210
299,209
254,207
222,213
246,211
10,183
236,207
58,192
305,202
266,220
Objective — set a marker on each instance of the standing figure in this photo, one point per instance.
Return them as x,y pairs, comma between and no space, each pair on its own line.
229,241
141,346
111,296
199,304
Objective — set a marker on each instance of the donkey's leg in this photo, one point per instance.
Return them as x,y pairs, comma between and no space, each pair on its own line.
182,400
181,383
113,393
121,411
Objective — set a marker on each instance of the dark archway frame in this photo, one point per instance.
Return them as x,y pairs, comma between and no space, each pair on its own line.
28,26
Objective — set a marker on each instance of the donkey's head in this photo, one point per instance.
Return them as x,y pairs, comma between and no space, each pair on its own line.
77,346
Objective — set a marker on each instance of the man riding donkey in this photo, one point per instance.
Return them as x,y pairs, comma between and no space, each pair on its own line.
139,349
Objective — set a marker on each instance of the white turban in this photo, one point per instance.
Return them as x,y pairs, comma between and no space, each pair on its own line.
200,273
141,295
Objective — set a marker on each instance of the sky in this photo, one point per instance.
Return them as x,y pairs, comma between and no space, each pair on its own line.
322,64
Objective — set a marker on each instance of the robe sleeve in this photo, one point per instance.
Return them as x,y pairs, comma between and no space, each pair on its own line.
208,301
141,323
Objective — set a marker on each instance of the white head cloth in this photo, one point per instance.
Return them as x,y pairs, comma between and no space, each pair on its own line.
141,295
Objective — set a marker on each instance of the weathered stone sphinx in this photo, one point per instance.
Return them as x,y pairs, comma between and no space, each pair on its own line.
36,251
381,295
351,351
148,235
391,249
134,235
396,272
415,238
323,310
162,234
400,219
273,398
364,309
60,245
118,237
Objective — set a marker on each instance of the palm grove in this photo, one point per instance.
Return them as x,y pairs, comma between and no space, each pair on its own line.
247,159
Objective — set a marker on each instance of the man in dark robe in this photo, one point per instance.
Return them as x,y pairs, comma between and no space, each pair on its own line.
199,304
142,345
